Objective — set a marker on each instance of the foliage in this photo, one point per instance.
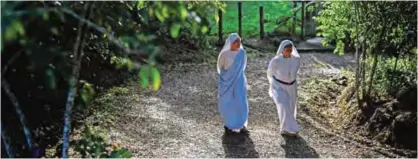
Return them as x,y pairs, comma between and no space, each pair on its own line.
383,28
338,22
390,80
43,34
92,145
273,10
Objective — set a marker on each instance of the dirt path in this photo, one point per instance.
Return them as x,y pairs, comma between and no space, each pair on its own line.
182,118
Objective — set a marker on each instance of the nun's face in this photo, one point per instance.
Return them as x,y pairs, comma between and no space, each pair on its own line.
287,51
236,44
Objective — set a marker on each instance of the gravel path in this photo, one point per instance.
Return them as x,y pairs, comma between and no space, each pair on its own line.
182,118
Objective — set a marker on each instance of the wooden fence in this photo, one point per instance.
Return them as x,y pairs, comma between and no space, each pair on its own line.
308,25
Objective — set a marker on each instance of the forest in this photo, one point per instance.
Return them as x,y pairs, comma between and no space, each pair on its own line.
91,78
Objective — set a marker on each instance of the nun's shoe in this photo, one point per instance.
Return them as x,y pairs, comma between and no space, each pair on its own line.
244,131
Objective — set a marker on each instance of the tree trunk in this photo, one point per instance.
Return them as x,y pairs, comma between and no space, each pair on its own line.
72,92
294,18
375,60
6,145
261,22
302,28
363,71
393,73
240,19
220,36
357,43
20,115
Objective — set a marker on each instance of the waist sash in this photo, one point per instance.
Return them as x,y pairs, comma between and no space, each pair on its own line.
283,82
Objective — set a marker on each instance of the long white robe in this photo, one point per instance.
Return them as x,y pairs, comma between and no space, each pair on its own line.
284,96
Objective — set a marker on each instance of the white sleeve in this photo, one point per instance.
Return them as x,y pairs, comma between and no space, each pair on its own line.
245,61
270,71
297,64
220,63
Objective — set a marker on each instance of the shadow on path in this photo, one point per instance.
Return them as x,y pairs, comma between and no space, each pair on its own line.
238,146
296,147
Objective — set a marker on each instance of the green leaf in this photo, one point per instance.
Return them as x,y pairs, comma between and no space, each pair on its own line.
204,29
125,153
156,79
139,4
165,12
45,15
159,16
183,12
54,31
174,30
87,93
50,78
10,34
19,27
144,76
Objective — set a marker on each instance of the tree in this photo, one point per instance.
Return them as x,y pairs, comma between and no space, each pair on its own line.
50,43
376,27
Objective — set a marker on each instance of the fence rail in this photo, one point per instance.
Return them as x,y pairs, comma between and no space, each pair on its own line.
305,21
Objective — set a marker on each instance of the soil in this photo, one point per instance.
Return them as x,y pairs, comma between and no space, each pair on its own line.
182,118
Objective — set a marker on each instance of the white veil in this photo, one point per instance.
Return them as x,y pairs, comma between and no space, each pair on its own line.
231,38
283,44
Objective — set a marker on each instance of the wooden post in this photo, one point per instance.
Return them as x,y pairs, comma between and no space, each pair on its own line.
240,19
294,17
220,27
261,22
302,33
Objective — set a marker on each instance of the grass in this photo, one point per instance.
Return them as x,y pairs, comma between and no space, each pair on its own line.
273,10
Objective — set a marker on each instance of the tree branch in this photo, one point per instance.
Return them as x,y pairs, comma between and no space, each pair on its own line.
11,60
109,36
72,87
5,143
21,116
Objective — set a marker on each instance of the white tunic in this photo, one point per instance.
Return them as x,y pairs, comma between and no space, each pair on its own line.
284,96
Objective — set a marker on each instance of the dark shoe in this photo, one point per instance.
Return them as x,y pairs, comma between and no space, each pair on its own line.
289,134
227,130
244,131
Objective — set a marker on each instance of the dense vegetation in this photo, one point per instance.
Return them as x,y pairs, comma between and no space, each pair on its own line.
384,37
57,55
274,14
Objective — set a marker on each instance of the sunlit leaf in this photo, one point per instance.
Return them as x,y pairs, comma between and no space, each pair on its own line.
204,29
10,34
156,79
183,12
19,27
144,76
87,93
174,30
165,11
129,64
139,4
159,16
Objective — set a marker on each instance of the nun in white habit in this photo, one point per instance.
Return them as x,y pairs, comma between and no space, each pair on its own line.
281,74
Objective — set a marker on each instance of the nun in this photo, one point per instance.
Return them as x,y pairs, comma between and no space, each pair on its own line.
232,85
281,74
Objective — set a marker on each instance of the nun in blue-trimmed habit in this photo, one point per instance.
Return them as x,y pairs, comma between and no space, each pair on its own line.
232,85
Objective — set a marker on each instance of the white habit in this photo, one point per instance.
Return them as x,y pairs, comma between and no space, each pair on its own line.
282,69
